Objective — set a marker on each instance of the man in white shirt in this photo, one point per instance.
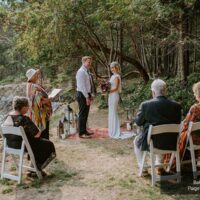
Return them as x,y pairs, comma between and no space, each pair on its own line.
84,95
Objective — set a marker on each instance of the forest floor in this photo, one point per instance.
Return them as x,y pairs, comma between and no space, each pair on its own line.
90,169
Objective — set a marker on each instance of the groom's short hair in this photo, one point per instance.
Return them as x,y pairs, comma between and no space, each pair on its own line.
84,58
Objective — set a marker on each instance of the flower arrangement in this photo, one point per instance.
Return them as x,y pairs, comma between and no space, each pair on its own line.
105,86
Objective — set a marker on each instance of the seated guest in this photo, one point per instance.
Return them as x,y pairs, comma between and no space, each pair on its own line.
192,116
43,149
156,111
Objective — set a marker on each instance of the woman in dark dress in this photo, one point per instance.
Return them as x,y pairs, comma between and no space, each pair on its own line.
43,149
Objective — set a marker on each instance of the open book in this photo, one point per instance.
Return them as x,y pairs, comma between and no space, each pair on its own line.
54,93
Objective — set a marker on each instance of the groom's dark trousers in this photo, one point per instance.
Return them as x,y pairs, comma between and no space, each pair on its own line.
83,112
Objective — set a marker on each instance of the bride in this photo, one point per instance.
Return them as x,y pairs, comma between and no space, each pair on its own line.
113,100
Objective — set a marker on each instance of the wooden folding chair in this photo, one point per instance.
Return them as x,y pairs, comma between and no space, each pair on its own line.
18,131
193,128
162,139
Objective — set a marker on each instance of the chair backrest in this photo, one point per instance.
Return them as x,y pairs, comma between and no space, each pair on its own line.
193,129
18,131
164,137
12,136
11,130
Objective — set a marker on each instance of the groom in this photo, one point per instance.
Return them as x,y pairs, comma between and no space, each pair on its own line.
85,91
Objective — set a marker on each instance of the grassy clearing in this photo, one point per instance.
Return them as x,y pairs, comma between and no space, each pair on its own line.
93,169
59,174
112,146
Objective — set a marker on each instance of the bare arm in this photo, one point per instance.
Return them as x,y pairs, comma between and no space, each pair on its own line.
117,82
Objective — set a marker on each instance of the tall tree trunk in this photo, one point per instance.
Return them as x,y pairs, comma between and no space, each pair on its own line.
186,52
182,67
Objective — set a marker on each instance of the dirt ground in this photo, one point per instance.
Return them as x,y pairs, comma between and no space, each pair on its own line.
89,169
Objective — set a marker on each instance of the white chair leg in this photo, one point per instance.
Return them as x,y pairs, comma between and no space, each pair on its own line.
39,174
3,162
143,161
178,167
171,161
194,168
153,174
21,165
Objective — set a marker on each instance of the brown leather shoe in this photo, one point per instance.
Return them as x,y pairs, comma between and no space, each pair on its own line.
89,133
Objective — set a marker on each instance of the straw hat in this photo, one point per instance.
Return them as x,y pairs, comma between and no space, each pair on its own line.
31,72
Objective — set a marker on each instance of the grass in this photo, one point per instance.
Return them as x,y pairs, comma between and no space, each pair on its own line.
121,178
36,183
113,147
127,183
6,182
59,171
59,175
7,190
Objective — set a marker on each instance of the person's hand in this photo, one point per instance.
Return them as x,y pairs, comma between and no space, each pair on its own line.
88,101
37,135
50,98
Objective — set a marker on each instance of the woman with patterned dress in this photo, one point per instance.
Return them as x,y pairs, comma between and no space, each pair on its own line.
192,116
43,149
41,109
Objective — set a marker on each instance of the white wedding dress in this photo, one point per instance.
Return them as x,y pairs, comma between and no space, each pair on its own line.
113,100
113,119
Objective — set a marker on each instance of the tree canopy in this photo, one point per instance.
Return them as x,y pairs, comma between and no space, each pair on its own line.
148,37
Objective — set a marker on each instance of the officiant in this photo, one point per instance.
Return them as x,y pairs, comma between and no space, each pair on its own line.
40,109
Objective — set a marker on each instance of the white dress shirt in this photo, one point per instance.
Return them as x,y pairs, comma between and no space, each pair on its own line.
83,81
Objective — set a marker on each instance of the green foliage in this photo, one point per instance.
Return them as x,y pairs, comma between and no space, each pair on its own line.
7,190
136,93
6,182
127,183
183,92
12,78
60,171
68,96
55,34
102,101
36,183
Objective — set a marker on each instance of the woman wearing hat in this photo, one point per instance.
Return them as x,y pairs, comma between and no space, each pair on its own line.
40,108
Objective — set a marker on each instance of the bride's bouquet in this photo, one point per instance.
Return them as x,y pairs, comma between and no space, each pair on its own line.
105,86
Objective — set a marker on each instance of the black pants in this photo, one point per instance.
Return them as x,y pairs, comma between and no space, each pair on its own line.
83,112
45,132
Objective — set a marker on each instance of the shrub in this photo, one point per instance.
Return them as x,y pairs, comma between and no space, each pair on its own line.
138,92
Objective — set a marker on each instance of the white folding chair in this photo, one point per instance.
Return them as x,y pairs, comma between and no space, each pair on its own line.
192,129
162,139
18,131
